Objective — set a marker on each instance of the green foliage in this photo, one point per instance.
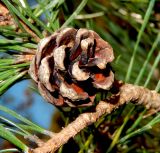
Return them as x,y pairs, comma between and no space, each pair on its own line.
22,127
146,18
6,134
131,27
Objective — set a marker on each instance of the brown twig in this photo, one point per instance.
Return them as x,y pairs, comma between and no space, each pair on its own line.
28,30
5,16
126,93
23,58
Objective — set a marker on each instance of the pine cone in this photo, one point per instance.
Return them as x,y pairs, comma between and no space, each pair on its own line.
71,65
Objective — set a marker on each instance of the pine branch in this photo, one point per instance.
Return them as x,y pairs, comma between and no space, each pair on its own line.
28,26
126,93
10,19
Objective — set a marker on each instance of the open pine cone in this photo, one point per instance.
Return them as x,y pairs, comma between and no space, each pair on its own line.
71,65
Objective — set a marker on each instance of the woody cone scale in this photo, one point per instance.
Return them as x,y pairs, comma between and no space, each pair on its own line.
71,66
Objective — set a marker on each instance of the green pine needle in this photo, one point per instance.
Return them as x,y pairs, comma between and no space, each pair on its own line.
140,75
23,18
9,150
28,123
4,133
146,18
75,13
141,130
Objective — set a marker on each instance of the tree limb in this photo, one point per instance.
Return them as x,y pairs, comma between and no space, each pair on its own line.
125,93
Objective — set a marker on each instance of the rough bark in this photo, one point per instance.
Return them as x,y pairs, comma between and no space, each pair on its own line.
126,93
